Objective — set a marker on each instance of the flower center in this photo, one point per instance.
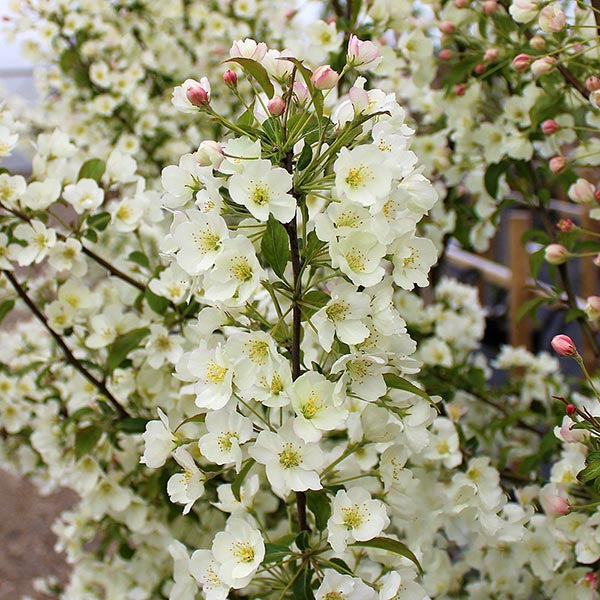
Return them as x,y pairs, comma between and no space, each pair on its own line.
289,457
311,407
206,240
40,240
241,269
349,219
356,260
353,516
258,352
225,440
243,551
260,194
358,176
276,385
215,373
333,596
337,311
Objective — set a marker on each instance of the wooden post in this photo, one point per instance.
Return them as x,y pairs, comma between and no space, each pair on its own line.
519,222
589,286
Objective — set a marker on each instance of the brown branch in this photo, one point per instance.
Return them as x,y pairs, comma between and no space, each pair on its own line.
596,10
74,362
113,270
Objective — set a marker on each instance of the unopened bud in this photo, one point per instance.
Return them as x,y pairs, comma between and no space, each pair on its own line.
324,78
556,254
460,89
571,409
544,65
447,27
489,7
592,83
592,308
592,580
479,69
445,54
557,164
565,225
276,106
491,54
537,42
461,3
550,126
197,95
521,62
563,345
230,78
582,191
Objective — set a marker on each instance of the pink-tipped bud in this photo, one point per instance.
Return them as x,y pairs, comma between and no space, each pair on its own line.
544,65
445,54
461,3
491,54
565,225
582,191
592,580
230,78
538,43
550,126
324,78
556,254
479,69
460,89
592,83
489,7
521,61
362,55
197,95
571,409
557,164
447,27
554,505
276,106
563,345
301,92
359,99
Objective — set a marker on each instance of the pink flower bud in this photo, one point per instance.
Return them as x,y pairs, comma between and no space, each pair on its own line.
197,95
521,62
446,54
553,504
565,225
558,164
447,27
556,254
276,106
552,19
592,580
362,55
301,92
570,409
324,78
550,126
544,65
491,54
592,83
359,99
538,43
460,89
230,78
563,345
461,3
479,69
582,191
489,7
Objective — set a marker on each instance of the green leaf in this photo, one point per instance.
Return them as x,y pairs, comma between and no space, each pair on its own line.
139,258
256,70
99,221
536,260
301,589
319,505
157,303
132,425
530,306
275,553
5,308
302,541
492,175
81,413
237,482
123,345
340,566
399,383
313,246
91,235
86,439
247,117
393,546
592,471
275,246
317,300
305,157
92,169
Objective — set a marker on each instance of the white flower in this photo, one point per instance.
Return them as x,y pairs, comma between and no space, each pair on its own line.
237,152
255,356
290,463
355,517
523,11
358,256
213,374
84,195
39,241
365,373
412,258
344,315
187,487
263,190
205,570
185,587
248,48
239,550
199,240
400,585
316,403
341,219
120,167
180,98
39,195
158,442
172,283
361,175
67,256
336,586
272,390
8,141
162,346
227,430
236,274
11,187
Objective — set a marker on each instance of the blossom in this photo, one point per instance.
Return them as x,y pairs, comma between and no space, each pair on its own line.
563,345
248,48
361,55
412,259
84,195
263,190
359,255
181,94
205,570
291,464
324,78
158,442
552,18
336,586
355,516
39,240
187,487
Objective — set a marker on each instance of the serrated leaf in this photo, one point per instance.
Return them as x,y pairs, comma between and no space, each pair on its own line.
139,258
123,345
399,383
132,425
85,439
275,553
237,482
5,308
99,221
157,303
305,157
275,246
393,546
256,70
319,505
92,169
